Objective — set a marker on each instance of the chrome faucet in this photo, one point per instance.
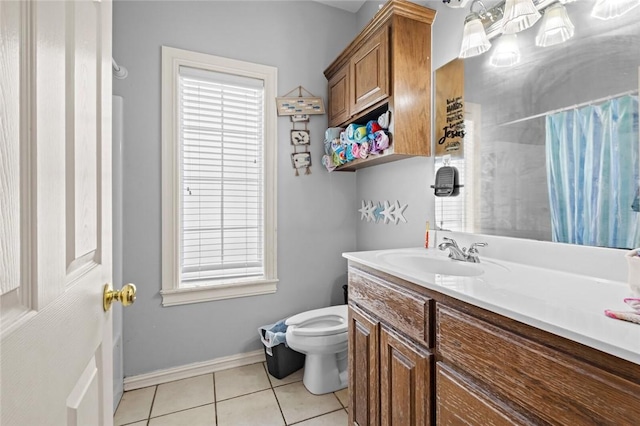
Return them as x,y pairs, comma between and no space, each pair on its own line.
472,253
464,255
454,251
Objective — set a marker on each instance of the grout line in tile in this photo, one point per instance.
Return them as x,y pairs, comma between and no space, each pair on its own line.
134,422
180,411
319,415
215,398
244,394
155,392
284,384
334,394
274,394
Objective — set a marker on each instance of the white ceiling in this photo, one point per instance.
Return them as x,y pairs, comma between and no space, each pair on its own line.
349,5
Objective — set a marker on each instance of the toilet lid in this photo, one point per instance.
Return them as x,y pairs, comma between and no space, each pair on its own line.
320,322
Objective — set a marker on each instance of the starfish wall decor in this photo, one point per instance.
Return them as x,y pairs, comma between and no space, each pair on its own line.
383,212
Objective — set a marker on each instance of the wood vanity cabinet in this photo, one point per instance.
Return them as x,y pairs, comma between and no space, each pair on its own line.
393,386
418,357
387,67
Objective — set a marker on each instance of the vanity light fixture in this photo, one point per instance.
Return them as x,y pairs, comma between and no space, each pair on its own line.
556,27
519,15
609,9
512,16
456,4
506,52
474,37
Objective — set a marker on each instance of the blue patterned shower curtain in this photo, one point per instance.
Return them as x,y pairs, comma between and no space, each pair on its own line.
593,172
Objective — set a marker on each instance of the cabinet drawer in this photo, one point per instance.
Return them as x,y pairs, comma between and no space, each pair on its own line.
402,309
553,386
460,402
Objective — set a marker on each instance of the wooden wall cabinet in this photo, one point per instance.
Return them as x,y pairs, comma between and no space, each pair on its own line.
339,96
369,72
387,67
441,361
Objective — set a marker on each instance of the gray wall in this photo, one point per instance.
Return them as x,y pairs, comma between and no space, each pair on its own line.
316,213
407,181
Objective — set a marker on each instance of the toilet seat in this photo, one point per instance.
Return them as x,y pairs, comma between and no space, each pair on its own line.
319,322
322,335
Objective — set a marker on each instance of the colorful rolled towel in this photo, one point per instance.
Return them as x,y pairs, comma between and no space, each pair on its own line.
355,150
372,128
333,133
329,135
363,150
335,145
356,132
349,151
343,137
380,142
327,161
361,134
385,120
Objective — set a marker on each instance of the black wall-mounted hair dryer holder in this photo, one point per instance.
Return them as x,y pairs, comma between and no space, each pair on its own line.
446,184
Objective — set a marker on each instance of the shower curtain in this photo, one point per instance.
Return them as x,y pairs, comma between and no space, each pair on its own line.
592,173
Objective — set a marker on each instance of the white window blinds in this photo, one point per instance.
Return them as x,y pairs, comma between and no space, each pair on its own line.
221,133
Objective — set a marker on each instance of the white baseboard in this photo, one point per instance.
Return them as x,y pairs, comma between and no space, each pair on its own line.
192,370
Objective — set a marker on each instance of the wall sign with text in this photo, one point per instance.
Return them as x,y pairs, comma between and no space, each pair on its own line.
450,109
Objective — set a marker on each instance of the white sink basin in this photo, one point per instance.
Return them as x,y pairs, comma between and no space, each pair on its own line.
430,263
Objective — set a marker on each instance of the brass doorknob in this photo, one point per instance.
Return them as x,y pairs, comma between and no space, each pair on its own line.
126,296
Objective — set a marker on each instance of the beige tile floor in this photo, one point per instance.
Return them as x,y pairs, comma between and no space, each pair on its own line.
239,396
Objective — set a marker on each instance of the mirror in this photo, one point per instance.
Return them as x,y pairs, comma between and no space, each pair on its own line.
551,143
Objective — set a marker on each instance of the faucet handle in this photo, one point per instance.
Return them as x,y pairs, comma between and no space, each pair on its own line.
473,247
451,240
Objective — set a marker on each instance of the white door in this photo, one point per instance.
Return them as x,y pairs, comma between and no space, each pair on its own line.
55,212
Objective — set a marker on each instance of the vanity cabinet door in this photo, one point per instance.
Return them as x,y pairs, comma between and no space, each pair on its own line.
458,401
363,369
369,71
556,387
339,97
405,381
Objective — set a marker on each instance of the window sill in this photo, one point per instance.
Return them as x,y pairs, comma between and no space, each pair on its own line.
185,296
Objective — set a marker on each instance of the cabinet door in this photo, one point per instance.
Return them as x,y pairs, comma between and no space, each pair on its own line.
405,381
459,402
556,387
369,72
339,97
363,369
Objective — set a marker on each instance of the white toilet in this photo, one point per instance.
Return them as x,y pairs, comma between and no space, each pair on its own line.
321,334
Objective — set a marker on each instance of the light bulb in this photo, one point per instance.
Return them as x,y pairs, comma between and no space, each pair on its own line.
556,26
519,15
474,37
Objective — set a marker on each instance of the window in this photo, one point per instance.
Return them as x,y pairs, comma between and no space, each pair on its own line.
218,171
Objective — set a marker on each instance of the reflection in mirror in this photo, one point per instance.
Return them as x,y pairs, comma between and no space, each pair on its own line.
551,143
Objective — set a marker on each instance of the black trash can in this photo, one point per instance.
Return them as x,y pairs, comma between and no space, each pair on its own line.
345,288
281,359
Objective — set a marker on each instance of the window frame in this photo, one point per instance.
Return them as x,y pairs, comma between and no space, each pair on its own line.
172,293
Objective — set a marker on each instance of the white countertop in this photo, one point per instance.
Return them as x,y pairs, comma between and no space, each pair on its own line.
566,304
